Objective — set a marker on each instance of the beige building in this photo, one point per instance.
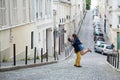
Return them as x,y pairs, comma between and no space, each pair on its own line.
68,17
62,12
44,24
110,13
44,32
113,22
25,23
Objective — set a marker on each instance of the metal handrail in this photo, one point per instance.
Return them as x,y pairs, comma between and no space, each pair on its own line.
113,59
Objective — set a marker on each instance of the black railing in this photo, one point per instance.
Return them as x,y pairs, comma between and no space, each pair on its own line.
113,59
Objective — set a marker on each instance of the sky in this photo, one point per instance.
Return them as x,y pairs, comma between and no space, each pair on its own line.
93,3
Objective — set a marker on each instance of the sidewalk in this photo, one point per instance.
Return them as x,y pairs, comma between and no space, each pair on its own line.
7,66
59,57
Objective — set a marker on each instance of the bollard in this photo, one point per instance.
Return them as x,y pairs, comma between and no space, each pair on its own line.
47,55
65,52
54,55
108,58
14,54
41,54
115,60
112,59
26,52
118,60
35,55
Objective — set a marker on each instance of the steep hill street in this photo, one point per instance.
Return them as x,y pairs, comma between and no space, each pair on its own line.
94,65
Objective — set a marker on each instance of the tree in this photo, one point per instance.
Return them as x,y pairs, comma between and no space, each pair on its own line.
88,3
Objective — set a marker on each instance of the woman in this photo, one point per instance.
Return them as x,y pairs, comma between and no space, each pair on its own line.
79,49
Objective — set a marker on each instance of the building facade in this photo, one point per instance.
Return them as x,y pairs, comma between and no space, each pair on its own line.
25,23
110,14
68,17
62,13
44,24
112,22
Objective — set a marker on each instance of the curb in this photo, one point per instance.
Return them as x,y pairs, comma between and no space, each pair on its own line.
118,70
25,66
66,57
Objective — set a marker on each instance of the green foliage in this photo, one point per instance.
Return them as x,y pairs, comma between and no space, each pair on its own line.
37,57
5,59
88,3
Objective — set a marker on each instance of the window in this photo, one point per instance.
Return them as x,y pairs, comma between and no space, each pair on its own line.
48,8
14,19
67,17
37,9
60,21
40,8
119,19
2,13
118,40
39,37
24,11
119,3
32,10
106,1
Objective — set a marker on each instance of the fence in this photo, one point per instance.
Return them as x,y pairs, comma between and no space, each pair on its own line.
113,59
43,57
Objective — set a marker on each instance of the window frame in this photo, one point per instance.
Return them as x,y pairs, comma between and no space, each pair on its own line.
14,11
3,11
24,11
118,1
119,19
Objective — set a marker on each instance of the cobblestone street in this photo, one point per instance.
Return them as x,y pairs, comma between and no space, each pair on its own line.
94,65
